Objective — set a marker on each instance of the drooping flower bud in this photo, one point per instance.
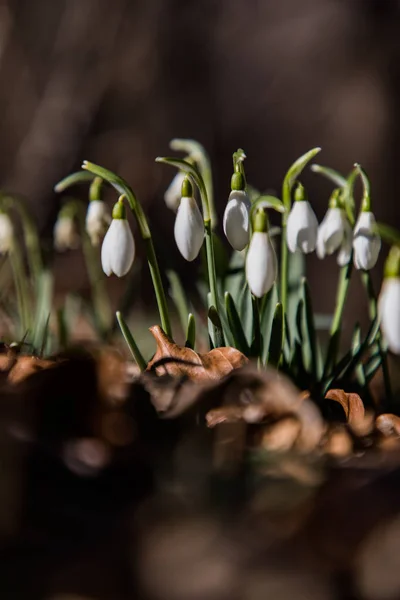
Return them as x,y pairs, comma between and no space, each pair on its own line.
6,233
389,301
189,226
173,193
261,263
97,220
334,232
366,242
118,249
302,224
65,234
236,220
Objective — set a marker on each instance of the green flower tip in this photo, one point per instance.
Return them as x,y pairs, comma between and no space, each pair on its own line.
300,194
238,182
392,264
336,201
187,188
119,211
260,221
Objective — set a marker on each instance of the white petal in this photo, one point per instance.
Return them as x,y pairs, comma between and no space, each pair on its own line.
236,220
118,249
366,243
97,219
261,264
389,312
302,228
189,229
344,254
173,194
6,233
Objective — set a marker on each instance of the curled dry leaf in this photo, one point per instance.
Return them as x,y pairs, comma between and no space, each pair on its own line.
26,366
352,405
388,425
179,361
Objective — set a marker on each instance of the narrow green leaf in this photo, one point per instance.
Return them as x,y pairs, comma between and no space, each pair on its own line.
374,364
267,311
256,345
234,277
73,179
43,307
45,337
129,339
236,325
309,333
297,167
276,341
330,174
268,201
355,347
216,327
246,313
191,332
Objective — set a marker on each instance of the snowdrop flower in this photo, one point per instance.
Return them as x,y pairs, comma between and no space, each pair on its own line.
173,194
189,226
302,224
97,220
236,221
389,301
335,232
6,233
65,235
261,263
118,249
366,243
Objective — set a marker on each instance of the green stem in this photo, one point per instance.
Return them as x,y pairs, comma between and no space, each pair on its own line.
342,289
123,188
130,340
286,199
21,288
373,313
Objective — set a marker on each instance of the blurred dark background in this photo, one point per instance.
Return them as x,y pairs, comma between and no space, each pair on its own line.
114,81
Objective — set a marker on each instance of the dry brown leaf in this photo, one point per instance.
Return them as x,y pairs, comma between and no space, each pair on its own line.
281,436
339,443
388,425
26,366
179,361
352,405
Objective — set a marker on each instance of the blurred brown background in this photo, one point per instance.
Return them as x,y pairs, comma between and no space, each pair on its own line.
113,81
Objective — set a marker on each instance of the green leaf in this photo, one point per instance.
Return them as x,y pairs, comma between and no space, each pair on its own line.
191,332
355,347
130,340
374,363
73,179
236,325
234,277
276,341
388,234
268,202
191,147
43,308
267,311
256,345
246,313
293,173
330,174
215,328
309,333
178,296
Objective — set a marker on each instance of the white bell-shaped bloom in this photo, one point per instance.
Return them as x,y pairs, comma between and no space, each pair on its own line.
118,249
189,228
334,233
6,233
65,235
389,312
261,264
302,228
97,220
173,194
236,219
366,243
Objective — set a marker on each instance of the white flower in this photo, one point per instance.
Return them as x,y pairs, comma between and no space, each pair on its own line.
335,233
65,234
97,220
302,228
236,219
189,228
6,233
173,193
389,312
118,249
366,243
261,264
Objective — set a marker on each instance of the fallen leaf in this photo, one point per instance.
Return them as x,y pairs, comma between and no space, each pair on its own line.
26,366
352,405
338,443
388,425
281,436
178,361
